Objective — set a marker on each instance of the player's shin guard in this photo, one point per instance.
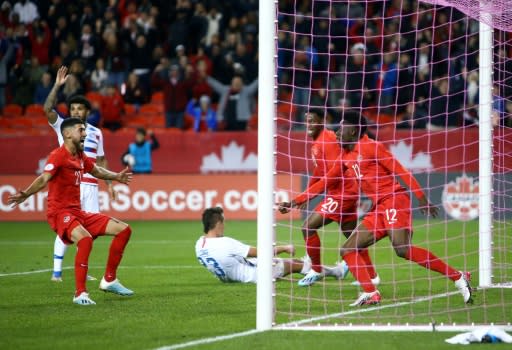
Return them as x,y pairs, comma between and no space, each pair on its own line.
357,267
84,247
59,249
363,253
313,247
116,253
428,260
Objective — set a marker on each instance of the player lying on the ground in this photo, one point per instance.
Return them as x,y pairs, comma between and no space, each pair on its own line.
232,261
376,170
63,173
339,204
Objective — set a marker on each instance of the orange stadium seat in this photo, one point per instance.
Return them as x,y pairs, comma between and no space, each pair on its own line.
12,110
151,109
137,122
94,98
34,110
22,123
157,97
156,121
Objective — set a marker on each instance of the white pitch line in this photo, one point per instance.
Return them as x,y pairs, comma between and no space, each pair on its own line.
156,267
291,325
209,340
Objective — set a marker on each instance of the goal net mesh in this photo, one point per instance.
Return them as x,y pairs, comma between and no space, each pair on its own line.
412,69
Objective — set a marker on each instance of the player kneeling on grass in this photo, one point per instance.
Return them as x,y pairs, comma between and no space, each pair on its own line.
63,172
232,261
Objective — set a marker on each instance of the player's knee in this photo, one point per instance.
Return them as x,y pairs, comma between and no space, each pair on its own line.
401,251
344,251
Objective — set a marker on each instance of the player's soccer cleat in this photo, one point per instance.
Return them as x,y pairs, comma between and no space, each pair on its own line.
340,270
56,276
464,288
91,278
375,281
83,299
372,298
311,277
115,287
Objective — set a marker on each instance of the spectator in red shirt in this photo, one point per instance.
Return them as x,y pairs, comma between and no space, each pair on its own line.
112,108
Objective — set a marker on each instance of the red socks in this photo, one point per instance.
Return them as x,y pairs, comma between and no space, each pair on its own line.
116,253
313,247
84,247
358,268
363,253
428,260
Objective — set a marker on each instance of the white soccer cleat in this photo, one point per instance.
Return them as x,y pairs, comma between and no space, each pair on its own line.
311,277
375,281
372,298
464,288
56,279
340,271
115,287
83,299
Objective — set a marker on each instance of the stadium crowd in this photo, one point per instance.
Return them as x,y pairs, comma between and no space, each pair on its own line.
405,62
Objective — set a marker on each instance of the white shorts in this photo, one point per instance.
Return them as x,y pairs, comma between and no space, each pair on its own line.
89,198
277,268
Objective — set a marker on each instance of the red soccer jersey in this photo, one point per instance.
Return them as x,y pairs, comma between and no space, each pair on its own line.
324,152
64,186
375,168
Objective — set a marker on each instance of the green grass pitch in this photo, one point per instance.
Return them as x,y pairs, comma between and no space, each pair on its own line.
178,301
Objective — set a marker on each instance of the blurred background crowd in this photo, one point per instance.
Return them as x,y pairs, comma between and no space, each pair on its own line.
402,62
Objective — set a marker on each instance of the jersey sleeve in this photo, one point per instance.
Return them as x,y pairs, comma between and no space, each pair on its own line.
388,161
88,164
237,248
333,176
56,126
101,151
53,163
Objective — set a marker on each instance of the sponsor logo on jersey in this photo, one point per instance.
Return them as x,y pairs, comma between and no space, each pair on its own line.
460,198
66,218
49,167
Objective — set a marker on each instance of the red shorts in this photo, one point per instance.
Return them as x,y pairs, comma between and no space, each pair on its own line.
65,222
392,213
338,209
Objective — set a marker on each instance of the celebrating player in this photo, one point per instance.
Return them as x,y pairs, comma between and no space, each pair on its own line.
78,107
376,169
232,261
339,204
63,174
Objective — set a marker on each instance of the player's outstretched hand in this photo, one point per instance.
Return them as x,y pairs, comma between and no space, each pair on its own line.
428,209
17,198
125,176
62,75
284,207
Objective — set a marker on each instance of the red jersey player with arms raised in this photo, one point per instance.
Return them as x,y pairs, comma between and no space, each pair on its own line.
339,204
63,173
376,169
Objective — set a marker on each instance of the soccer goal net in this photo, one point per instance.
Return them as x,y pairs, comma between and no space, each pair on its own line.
433,80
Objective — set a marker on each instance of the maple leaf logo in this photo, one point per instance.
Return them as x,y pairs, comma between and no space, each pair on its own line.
232,159
460,198
404,154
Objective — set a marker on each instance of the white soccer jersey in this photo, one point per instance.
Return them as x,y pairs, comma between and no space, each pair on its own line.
226,258
93,145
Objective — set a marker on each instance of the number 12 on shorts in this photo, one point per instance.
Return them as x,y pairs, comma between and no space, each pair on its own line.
391,215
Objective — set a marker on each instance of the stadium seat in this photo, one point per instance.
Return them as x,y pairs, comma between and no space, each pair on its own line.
156,121
137,122
22,123
12,110
151,109
130,109
5,123
34,110
94,97
157,97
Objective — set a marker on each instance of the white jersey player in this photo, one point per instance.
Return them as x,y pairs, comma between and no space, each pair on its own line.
78,107
233,261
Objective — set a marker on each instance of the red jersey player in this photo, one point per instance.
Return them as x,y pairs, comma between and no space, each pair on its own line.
339,204
63,173
376,169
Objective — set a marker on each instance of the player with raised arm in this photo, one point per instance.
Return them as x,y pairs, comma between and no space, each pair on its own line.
79,107
339,204
63,174
232,261
375,168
